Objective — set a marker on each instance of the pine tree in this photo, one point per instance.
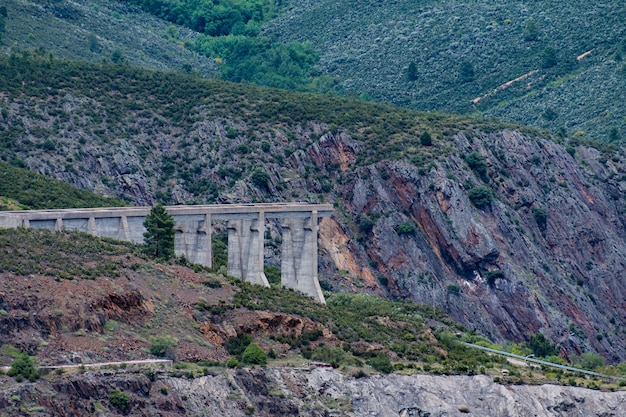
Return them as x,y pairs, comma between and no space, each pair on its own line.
159,235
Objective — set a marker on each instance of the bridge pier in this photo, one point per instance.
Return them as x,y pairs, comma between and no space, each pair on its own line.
298,270
245,249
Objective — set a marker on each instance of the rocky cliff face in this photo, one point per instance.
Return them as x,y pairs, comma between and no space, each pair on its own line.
292,392
545,255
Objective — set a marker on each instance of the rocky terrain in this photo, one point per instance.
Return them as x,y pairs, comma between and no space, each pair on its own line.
508,230
293,392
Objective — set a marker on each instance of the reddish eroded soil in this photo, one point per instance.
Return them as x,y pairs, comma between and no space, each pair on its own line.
64,321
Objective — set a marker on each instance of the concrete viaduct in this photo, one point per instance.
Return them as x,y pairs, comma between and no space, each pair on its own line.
193,225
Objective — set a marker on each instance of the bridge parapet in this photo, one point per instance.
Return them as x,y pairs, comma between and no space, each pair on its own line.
193,226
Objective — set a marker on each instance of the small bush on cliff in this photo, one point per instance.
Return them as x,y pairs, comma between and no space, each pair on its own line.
406,228
481,197
119,400
541,217
478,164
254,355
238,344
332,355
232,363
260,178
23,368
162,346
492,276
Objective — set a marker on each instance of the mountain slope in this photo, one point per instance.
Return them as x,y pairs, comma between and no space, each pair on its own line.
563,60
507,230
107,30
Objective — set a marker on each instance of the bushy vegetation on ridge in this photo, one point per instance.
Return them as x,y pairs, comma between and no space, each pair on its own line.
35,191
119,103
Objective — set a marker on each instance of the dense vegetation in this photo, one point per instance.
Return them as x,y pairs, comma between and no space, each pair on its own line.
230,35
37,191
214,18
530,64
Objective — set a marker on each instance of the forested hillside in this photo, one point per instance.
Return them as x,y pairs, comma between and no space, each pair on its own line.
552,64
548,64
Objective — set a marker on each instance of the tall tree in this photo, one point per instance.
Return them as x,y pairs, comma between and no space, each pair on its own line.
159,235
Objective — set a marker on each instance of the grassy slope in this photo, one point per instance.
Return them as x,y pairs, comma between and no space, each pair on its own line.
372,44
98,270
28,190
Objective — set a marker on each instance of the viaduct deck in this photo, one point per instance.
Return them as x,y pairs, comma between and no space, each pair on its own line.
245,224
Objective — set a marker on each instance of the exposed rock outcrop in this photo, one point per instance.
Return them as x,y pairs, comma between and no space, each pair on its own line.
293,392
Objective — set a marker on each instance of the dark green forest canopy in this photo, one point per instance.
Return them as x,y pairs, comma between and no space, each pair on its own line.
212,17
230,35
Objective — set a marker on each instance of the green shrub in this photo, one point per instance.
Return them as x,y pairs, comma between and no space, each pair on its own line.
541,217
411,72
549,58
381,363
466,72
531,32
541,346
119,400
260,178
272,273
481,196
492,276
232,362
478,164
332,355
254,355
22,368
236,345
212,283
231,132
162,346
426,139
589,360
406,228
453,289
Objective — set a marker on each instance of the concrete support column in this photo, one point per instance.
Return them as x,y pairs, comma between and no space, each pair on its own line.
124,229
245,250
205,244
91,226
193,240
299,256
